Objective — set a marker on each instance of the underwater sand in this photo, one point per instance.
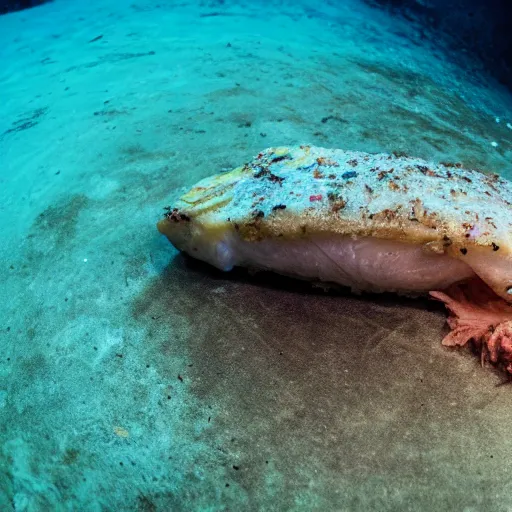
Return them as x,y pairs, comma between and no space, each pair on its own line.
133,379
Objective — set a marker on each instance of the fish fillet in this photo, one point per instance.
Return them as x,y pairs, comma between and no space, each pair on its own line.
371,222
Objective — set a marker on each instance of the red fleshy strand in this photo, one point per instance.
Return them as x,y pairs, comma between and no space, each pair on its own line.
477,314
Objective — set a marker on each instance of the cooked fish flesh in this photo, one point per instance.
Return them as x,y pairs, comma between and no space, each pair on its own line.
371,222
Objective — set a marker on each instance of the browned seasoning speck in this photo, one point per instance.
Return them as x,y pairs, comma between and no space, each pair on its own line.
495,247
338,205
426,171
451,164
383,174
176,216
275,179
279,158
326,162
464,251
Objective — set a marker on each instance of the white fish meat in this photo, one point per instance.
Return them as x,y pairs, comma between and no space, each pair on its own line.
371,222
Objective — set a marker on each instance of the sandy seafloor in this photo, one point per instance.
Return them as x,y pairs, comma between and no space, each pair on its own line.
131,379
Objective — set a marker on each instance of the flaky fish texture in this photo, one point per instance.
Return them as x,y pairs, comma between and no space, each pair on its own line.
374,222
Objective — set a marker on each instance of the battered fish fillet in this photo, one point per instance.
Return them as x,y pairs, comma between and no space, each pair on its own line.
371,222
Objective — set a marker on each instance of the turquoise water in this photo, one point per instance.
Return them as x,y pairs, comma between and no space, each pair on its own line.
133,379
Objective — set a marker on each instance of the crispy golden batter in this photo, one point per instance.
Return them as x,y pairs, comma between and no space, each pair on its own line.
293,192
